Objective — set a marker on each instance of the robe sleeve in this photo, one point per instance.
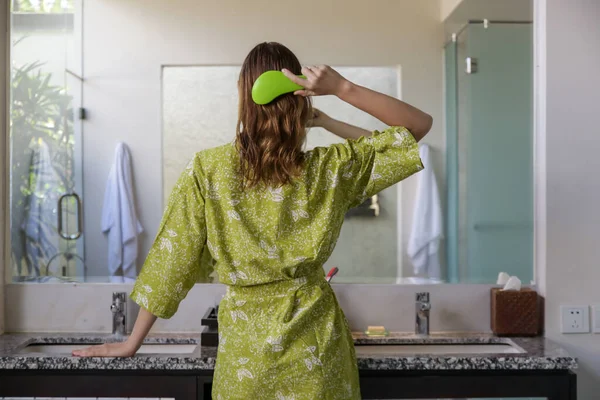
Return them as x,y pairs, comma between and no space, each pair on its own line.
175,262
369,164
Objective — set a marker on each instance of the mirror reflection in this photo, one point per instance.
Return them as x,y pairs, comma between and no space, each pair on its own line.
464,219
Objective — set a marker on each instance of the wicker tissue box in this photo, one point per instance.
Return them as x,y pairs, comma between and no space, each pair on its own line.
515,313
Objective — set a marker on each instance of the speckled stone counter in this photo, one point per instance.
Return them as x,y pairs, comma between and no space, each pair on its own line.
535,354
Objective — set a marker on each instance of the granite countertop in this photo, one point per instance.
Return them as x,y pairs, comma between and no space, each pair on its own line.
535,354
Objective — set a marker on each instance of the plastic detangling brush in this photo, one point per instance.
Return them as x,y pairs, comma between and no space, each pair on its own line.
272,84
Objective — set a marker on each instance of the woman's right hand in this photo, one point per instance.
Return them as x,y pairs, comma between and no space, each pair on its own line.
121,349
320,81
324,80
128,348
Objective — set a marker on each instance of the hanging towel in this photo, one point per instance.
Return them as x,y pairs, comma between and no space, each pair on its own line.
40,221
426,233
119,219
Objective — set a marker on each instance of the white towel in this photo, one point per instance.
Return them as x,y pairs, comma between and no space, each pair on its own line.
426,233
40,223
119,219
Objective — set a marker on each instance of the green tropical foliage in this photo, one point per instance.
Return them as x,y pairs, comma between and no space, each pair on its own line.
40,112
42,6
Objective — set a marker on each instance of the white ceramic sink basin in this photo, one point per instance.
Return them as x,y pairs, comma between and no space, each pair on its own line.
436,348
67,349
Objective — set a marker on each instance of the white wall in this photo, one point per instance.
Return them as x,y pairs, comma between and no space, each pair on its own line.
573,188
447,7
126,42
84,308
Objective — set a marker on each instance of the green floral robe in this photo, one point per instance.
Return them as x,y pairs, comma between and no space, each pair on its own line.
282,333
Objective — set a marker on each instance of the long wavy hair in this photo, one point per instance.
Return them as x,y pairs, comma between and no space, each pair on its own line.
270,137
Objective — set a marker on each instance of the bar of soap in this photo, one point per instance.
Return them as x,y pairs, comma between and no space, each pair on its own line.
376,328
376,331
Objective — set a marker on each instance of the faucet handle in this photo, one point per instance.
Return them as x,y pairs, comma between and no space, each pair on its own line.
423,297
121,296
119,300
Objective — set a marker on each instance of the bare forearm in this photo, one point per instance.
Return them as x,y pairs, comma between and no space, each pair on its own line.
387,109
142,326
344,130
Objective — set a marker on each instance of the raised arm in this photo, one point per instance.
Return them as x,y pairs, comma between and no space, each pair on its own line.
324,80
338,128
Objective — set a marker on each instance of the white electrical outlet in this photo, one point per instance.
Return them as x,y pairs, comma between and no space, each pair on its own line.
575,319
596,318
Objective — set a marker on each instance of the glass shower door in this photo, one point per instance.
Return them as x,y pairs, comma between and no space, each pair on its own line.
495,140
45,141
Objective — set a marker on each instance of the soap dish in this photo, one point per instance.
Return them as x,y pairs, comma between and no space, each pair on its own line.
376,331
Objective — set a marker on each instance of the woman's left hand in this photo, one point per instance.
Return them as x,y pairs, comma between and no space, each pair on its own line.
319,119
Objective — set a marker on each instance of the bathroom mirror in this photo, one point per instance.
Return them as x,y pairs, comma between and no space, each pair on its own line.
472,69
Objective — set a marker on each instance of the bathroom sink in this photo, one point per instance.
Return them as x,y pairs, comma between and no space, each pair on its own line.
436,348
416,280
67,349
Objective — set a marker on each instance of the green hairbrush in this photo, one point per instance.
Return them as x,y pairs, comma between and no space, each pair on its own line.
272,84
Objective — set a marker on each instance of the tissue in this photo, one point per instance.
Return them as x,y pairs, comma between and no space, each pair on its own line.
503,277
513,283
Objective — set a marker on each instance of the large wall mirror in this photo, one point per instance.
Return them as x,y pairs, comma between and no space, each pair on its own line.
481,194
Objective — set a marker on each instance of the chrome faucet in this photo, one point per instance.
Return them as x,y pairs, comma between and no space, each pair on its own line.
422,315
119,311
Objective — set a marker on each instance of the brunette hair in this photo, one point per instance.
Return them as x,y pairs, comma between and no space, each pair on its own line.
269,138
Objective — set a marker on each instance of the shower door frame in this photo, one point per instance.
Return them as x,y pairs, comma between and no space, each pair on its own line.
77,160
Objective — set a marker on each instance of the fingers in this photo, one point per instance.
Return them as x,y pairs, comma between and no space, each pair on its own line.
304,93
309,73
94,351
294,78
319,80
324,69
319,71
82,353
106,350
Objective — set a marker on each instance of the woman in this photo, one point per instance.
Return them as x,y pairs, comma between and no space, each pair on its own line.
270,215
